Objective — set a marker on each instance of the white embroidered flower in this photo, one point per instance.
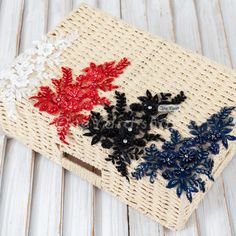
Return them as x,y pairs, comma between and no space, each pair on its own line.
31,68
60,43
20,81
34,82
55,59
45,49
24,68
40,63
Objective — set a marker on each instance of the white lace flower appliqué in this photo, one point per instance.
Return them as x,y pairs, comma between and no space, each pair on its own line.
30,68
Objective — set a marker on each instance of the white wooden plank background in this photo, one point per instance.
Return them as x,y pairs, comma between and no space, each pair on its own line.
37,197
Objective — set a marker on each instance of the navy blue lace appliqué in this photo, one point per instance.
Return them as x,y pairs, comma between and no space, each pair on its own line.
182,161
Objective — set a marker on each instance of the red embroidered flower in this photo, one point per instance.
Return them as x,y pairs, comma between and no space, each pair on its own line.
70,99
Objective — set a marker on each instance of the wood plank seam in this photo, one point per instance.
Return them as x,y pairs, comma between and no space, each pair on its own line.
0,4
227,208
70,3
93,216
197,223
146,15
198,24
62,201
121,16
128,221
173,36
46,15
225,35
19,31
97,4
2,157
27,226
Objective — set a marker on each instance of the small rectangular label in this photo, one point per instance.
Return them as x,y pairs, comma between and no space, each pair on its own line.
168,108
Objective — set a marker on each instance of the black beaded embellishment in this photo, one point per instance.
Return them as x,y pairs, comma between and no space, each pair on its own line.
127,129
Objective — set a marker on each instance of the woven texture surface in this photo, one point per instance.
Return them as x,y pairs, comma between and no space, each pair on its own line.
156,65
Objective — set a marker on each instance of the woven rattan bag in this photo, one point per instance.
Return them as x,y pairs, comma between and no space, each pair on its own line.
142,166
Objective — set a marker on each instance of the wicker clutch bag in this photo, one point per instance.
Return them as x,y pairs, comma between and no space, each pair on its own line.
133,114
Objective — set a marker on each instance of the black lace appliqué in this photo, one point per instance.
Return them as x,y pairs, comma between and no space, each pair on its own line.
181,161
127,129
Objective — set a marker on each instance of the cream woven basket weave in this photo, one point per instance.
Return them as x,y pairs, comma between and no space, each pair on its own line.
156,65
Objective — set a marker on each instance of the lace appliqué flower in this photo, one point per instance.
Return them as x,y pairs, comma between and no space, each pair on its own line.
127,129
30,69
70,99
182,161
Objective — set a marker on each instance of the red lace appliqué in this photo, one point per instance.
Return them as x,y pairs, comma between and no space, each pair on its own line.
70,99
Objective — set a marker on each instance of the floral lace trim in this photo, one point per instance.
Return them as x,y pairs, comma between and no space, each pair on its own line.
127,129
70,99
30,69
181,161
